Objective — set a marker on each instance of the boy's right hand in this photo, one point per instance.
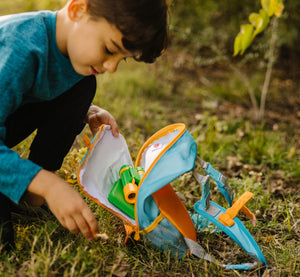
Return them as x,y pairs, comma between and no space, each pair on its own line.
65,203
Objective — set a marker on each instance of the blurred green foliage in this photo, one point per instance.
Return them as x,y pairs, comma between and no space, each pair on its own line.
206,27
8,7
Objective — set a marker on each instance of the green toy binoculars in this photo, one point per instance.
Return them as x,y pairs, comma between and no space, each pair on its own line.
130,178
123,192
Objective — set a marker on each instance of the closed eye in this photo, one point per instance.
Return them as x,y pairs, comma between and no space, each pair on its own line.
108,52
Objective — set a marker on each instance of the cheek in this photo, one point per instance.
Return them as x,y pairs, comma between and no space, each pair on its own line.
89,53
85,49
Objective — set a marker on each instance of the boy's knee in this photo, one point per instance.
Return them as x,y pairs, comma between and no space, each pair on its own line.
81,95
91,82
33,199
74,103
88,87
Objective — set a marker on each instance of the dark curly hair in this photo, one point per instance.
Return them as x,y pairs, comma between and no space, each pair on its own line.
143,24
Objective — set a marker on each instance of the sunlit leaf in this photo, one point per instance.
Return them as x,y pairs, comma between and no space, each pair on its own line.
278,8
273,7
265,16
253,18
261,21
265,4
243,39
237,44
247,36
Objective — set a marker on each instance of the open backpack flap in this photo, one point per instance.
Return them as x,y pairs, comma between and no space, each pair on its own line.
156,212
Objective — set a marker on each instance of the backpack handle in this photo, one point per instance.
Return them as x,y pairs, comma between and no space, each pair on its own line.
220,180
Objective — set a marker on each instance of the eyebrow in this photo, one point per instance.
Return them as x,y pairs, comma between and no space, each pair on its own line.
118,46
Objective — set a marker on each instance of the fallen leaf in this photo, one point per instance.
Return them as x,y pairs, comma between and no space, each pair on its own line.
277,187
269,238
120,268
233,162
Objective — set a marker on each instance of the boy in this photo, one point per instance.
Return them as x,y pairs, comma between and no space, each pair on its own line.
47,82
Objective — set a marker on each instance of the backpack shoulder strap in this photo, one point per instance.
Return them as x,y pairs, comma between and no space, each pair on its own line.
226,220
220,180
197,250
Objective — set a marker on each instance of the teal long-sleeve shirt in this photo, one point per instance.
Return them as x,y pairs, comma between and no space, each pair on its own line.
32,69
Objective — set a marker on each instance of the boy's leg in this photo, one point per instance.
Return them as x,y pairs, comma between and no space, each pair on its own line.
57,122
57,133
6,229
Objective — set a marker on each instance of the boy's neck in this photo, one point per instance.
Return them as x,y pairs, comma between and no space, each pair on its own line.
62,28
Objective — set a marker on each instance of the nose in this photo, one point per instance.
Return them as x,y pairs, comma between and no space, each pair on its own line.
111,65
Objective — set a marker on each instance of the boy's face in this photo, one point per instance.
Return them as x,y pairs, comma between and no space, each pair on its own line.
95,47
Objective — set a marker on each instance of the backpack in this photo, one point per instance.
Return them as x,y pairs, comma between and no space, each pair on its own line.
157,213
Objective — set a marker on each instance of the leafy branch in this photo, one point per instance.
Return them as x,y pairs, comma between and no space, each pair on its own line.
258,23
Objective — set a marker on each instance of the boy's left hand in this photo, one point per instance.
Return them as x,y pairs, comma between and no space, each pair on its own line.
97,116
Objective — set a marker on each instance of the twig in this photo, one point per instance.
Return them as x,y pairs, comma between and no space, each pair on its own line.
271,60
102,236
249,87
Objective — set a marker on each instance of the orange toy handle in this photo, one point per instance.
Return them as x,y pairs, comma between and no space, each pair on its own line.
227,217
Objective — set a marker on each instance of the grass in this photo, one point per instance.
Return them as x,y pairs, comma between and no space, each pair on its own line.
262,158
254,158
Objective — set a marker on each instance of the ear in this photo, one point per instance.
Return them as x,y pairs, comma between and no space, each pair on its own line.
76,9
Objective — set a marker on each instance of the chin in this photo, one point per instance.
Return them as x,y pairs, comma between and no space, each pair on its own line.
81,70
83,73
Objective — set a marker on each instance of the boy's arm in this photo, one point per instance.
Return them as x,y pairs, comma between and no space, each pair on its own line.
18,175
15,173
65,203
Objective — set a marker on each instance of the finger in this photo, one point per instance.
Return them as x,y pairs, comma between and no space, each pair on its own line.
91,221
83,227
114,128
94,130
71,225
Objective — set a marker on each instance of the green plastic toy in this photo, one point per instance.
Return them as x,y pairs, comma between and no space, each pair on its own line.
123,192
